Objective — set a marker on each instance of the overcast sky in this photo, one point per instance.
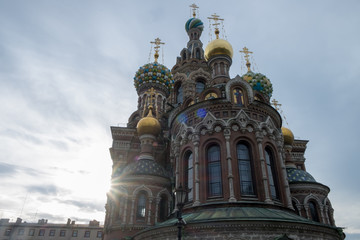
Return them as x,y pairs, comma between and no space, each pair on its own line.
66,76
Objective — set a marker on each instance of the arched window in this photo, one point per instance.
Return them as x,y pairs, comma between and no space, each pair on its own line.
197,53
271,173
141,206
214,171
238,97
179,94
200,86
313,211
163,208
245,170
189,174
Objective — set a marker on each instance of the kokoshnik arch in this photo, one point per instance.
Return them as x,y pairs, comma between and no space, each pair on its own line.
220,137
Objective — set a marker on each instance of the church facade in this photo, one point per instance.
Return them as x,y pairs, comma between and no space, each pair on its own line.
221,138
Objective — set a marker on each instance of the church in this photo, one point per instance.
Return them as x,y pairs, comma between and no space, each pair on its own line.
222,139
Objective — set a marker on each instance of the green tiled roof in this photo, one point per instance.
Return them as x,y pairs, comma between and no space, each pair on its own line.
297,175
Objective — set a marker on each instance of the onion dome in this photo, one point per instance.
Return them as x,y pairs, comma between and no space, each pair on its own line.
218,47
298,175
288,136
148,125
153,73
193,23
259,82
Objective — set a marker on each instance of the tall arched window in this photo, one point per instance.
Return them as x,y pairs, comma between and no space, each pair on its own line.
141,206
200,86
271,173
245,170
179,94
189,174
214,171
163,208
313,211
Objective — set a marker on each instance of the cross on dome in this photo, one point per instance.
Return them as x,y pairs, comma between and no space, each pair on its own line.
216,23
157,43
194,7
246,56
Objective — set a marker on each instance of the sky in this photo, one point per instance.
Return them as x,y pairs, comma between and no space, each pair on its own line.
66,76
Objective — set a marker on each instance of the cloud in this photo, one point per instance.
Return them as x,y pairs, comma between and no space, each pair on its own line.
86,206
10,170
48,190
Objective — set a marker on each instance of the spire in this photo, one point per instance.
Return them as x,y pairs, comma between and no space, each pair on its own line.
246,56
216,23
194,7
157,43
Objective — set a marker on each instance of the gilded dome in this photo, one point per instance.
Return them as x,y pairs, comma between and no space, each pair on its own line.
148,125
218,47
288,136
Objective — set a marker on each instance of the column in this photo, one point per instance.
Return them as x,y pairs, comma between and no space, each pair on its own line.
132,211
125,210
259,139
196,141
284,173
149,211
227,134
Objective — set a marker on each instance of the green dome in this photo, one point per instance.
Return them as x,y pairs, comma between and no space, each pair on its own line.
194,23
298,175
259,82
153,73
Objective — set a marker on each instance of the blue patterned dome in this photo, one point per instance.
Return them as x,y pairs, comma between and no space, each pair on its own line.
154,73
259,82
298,175
194,23
145,167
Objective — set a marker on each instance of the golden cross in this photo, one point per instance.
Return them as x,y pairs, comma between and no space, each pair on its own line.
157,46
151,93
194,7
246,52
276,104
216,24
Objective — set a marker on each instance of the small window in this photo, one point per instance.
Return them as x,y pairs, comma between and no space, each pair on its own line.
141,206
179,94
31,232
74,233
271,173
52,232
189,174
163,208
7,232
200,86
41,232
245,170
99,234
314,212
87,234
62,233
21,232
214,171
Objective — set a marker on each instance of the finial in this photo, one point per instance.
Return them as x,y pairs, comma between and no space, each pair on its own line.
157,46
277,106
194,7
246,52
216,23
